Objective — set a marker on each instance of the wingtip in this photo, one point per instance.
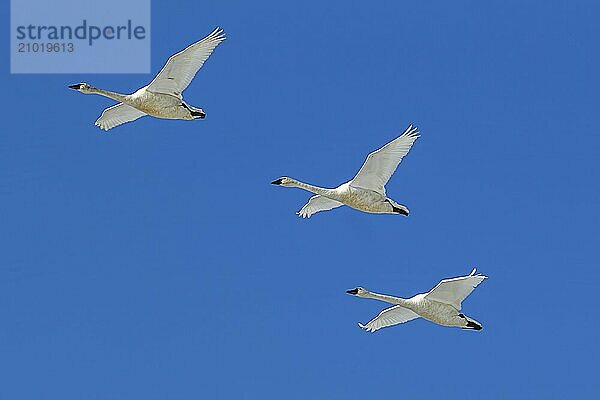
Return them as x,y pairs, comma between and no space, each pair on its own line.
412,130
218,31
474,273
366,328
303,215
102,127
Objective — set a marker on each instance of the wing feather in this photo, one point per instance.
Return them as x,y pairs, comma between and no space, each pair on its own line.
318,203
117,115
381,164
453,291
390,316
181,68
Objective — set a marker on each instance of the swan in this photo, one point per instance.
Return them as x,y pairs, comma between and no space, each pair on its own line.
162,97
441,304
366,191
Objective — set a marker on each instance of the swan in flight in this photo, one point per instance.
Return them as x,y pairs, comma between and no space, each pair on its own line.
441,304
366,191
162,97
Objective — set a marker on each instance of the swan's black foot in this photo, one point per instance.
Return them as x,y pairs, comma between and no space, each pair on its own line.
474,325
400,211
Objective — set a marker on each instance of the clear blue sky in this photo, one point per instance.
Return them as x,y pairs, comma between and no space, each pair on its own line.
157,262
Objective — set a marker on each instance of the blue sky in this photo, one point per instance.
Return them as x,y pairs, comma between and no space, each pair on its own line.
157,262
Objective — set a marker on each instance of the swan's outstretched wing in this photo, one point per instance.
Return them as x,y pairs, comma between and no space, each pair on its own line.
453,291
318,203
181,68
117,115
390,316
381,164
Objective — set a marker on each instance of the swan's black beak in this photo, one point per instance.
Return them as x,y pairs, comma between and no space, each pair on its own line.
277,181
352,291
76,87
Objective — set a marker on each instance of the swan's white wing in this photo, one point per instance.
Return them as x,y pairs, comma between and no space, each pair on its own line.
318,203
453,291
381,164
181,68
390,316
117,115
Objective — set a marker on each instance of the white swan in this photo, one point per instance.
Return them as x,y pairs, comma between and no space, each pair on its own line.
162,97
441,304
366,191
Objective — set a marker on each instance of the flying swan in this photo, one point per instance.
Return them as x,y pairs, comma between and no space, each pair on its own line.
162,97
366,191
441,304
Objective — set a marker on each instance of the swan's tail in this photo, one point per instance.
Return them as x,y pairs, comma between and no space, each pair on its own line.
471,323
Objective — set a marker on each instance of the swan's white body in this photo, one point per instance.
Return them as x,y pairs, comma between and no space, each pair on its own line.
441,305
162,98
366,191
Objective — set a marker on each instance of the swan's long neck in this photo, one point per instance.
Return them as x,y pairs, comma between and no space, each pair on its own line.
111,95
386,298
313,189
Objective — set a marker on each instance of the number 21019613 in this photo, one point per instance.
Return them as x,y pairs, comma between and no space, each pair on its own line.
45,47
